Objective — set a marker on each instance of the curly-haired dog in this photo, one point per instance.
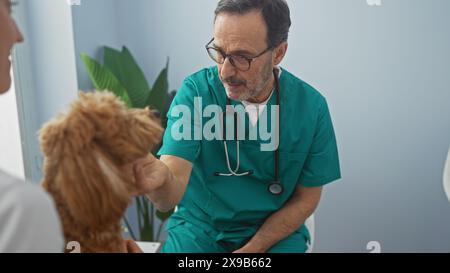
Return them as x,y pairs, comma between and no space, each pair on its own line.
88,171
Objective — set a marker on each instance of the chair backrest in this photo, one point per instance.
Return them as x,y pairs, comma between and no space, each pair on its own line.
310,224
447,176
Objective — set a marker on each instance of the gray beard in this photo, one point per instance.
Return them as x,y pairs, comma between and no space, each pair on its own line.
253,94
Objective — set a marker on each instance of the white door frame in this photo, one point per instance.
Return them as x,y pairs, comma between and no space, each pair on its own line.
44,71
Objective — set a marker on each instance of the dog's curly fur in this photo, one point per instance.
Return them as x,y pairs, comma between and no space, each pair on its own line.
88,171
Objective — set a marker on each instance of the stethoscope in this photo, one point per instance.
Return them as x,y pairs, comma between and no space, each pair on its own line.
275,187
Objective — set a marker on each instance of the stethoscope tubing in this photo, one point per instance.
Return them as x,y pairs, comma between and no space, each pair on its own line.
275,187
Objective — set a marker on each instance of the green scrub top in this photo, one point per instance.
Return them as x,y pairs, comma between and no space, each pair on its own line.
235,207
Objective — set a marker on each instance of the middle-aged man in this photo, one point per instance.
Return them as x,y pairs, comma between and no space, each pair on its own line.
238,196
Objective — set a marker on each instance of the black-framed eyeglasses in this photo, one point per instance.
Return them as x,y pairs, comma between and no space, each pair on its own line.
242,63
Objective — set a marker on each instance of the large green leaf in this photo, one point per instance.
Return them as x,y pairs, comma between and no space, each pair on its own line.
104,80
159,96
125,68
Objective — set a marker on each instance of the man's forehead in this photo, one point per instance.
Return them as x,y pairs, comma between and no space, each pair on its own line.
235,44
246,31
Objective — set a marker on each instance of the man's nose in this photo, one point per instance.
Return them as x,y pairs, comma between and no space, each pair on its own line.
227,70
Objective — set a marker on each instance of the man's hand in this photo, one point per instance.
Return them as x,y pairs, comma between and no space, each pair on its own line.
162,181
248,249
150,174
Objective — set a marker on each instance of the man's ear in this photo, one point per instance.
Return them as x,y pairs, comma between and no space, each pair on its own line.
279,53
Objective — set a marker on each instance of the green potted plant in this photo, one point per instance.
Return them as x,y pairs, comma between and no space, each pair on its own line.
121,75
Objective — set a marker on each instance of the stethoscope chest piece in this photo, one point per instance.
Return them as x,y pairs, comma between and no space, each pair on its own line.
276,188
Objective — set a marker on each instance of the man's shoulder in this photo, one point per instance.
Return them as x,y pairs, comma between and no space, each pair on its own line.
300,93
300,86
202,83
206,73
203,78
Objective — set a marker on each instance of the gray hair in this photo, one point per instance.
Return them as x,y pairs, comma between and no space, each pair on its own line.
275,12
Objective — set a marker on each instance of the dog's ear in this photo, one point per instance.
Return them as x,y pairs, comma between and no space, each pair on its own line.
148,126
66,134
93,188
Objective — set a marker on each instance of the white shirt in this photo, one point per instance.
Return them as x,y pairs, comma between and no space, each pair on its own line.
29,222
254,110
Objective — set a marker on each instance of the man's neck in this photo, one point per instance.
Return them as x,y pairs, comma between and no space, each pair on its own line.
266,93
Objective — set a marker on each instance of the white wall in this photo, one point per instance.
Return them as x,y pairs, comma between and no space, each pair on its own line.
51,39
153,30
384,71
91,35
45,71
